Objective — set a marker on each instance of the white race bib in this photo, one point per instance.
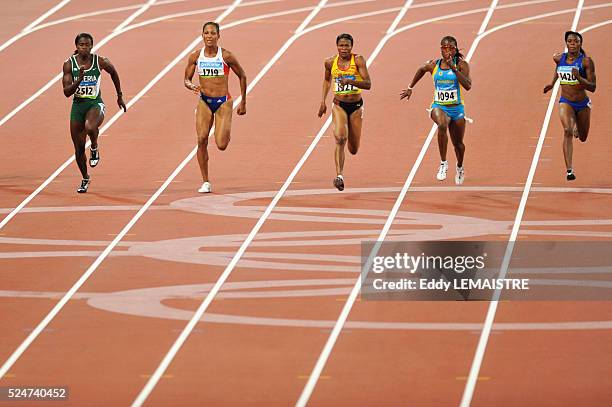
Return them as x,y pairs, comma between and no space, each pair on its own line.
86,92
211,69
446,97
344,89
566,77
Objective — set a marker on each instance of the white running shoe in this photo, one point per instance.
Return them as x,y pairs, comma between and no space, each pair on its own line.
459,176
205,188
441,175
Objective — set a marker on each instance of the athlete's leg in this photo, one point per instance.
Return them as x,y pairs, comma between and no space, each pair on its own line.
223,124
79,137
442,120
340,130
456,129
93,121
568,120
354,131
583,122
204,121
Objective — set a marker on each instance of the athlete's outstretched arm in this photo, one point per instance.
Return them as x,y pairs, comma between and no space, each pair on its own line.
362,68
556,58
69,85
427,67
233,63
108,67
589,82
190,71
326,86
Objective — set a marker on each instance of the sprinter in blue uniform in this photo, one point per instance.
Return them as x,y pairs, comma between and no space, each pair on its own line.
576,74
451,75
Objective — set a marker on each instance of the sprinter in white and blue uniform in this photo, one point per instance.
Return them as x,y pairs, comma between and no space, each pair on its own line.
451,75
576,74
215,104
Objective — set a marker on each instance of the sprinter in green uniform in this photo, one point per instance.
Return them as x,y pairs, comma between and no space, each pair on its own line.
82,77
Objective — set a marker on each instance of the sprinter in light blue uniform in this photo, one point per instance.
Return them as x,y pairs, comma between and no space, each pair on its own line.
576,74
451,75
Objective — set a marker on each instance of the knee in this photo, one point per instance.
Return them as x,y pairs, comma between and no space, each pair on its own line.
568,133
353,149
442,127
222,146
582,137
90,128
203,142
341,139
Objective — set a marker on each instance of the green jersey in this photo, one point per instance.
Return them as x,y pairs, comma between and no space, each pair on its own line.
89,88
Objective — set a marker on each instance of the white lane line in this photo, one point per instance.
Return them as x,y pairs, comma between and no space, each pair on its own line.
33,24
57,77
399,17
470,385
335,333
595,26
33,28
116,32
55,174
45,15
176,346
132,17
112,120
57,308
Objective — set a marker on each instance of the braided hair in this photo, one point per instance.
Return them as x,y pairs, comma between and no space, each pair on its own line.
458,54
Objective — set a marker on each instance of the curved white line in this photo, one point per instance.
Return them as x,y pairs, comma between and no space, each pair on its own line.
595,26
162,73
355,291
33,24
60,304
36,27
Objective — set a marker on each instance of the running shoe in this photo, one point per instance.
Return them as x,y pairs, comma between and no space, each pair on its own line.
84,185
459,176
205,188
441,175
570,175
339,183
94,158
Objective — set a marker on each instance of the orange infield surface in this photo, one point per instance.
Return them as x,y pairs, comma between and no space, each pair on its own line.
99,291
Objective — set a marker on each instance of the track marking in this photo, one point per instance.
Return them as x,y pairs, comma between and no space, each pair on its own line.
143,91
481,34
346,309
34,23
116,32
176,346
113,119
130,103
0,376
470,386
57,77
57,308
31,29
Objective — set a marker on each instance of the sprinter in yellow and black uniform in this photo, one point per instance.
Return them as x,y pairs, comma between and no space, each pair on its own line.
348,74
